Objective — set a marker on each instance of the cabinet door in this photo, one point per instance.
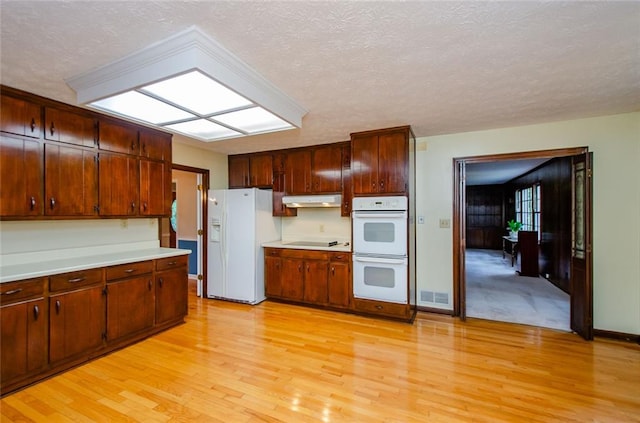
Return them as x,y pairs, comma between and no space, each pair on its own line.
70,181
238,171
21,176
119,185
20,117
298,172
327,169
155,145
119,138
364,164
24,339
261,170
69,127
272,276
392,163
171,295
153,181
293,272
339,284
76,322
315,281
130,306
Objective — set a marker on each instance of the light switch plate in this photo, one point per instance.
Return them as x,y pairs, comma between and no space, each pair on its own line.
445,223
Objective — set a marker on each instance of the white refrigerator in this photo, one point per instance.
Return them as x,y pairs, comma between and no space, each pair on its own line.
240,220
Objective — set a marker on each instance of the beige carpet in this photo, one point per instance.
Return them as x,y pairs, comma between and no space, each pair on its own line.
496,292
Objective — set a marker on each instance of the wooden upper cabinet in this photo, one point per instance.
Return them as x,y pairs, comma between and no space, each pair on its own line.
298,172
379,161
154,180
238,171
119,185
118,137
69,127
21,173
155,145
71,180
251,170
326,169
20,117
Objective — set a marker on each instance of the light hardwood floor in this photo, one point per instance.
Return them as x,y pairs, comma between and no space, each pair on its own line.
275,362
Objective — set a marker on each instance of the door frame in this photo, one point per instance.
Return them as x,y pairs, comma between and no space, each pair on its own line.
459,213
203,175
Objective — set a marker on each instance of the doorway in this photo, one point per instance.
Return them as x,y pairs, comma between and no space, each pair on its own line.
581,309
186,228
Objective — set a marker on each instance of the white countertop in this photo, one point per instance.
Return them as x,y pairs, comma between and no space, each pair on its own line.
21,271
341,247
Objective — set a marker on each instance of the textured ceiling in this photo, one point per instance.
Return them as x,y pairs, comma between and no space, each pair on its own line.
442,67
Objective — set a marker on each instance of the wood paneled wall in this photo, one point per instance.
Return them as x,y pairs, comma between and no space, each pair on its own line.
554,177
485,216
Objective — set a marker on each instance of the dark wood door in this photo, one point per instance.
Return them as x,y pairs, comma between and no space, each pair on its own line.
272,276
119,138
71,181
130,306
238,171
171,295
261,170
20,117
21,176
581,259
69,127
315,281
298,172
119,185
392,163
327,169
155,145
460,233
339,288
293,272
76,323
364,164
153,186
24,339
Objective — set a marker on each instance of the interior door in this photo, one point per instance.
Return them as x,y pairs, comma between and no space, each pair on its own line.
581,258
200,233
462,235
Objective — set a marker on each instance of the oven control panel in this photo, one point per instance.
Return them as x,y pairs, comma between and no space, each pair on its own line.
380,203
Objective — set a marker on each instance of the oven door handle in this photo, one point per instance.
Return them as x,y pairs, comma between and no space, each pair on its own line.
380,260
379,215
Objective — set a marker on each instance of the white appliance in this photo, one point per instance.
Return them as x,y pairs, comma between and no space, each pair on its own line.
380,261
240,220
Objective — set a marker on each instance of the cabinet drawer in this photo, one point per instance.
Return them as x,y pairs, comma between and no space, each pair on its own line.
128,270
382,308
73,280
305,254
171,262
272,252
11,292
342,257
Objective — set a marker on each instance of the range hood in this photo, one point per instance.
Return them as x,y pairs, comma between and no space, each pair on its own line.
296,201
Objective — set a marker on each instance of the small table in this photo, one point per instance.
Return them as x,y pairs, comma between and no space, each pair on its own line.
512,250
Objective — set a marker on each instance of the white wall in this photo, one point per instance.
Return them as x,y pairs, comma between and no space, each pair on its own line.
615,143
317,224
187,155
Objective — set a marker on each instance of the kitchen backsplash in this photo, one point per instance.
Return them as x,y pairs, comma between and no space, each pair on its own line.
317,224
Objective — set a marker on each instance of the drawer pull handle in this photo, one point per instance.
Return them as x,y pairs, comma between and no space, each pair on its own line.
129,270
58,307
36,312
13,291
172,263
76,280
379,307
339,257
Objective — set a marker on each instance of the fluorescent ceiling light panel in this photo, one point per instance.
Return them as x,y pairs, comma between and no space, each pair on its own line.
254,120
186,83
142,107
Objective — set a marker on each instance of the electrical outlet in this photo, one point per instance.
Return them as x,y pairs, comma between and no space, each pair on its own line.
124,223
445,223
321,228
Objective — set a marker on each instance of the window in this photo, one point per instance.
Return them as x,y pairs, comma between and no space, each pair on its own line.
528,208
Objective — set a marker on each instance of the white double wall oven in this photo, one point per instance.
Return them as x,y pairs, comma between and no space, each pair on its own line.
380,257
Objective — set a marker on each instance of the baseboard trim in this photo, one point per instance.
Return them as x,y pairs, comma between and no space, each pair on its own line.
621,336
435,310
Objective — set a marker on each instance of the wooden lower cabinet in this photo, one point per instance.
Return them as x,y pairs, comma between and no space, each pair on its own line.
308,276
85,314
